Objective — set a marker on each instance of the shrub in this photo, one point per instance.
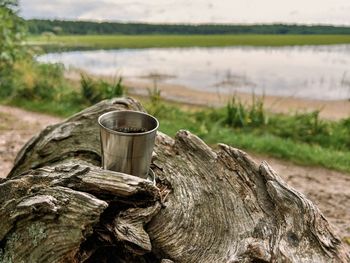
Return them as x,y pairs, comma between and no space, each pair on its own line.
38,82
156,106
93,91
12,32
88,90
239,115
6,83
306,127
115,89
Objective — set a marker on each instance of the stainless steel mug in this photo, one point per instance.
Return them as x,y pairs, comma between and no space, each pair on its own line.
127,141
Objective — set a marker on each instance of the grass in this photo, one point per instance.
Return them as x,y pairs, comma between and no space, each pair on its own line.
303,138
43,88
49,107
173,119
163,41
282,148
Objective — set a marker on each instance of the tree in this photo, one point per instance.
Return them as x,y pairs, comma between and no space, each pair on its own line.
12,32
58,205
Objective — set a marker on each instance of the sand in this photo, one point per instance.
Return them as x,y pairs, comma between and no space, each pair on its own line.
333,110
329,109
16,128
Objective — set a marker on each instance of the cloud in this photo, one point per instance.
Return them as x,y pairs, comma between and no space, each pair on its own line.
195,11
57,9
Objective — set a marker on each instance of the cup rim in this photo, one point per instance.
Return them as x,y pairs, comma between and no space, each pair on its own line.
124,133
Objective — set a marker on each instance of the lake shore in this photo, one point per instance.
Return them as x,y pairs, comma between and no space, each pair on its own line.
329,109
332,109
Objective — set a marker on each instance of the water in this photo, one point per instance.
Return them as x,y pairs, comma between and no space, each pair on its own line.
130,129
313,72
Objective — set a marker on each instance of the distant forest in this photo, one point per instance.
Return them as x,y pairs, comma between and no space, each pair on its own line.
36,26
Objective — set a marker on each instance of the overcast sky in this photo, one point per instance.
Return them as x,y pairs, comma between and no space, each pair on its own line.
193,11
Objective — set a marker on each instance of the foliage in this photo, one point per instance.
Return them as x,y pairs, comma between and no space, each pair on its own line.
94,91
11,34
303,138
38,26
155,105
239,116
43,87
305,127
40,82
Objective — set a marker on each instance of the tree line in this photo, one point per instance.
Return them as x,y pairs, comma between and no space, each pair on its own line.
39,26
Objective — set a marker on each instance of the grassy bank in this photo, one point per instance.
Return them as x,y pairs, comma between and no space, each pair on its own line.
162,41
43,88
261,139
255,139
303,138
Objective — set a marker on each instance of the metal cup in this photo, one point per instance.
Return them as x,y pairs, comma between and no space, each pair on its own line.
127,141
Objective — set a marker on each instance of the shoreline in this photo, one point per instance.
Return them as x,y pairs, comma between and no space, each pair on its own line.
332,109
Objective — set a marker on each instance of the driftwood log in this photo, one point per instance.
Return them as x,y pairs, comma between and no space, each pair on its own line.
58,205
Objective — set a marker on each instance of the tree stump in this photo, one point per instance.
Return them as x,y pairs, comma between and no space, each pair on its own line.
58,205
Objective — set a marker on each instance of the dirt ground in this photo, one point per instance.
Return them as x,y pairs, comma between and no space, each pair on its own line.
330,190
16,128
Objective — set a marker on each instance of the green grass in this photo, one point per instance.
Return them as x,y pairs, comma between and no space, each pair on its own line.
43,88
303,138
267,144
148,41
54,108
173,119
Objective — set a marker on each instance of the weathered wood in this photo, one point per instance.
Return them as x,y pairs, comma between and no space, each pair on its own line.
209,205
129,228
46,214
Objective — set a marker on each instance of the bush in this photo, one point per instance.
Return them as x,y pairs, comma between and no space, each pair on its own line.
239,115
6,83
305,127
12,32
155,106
43,86
38,82
93,91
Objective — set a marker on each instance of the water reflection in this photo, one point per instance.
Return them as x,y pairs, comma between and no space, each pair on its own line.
315,72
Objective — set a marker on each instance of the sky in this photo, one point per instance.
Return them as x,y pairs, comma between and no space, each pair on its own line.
336,12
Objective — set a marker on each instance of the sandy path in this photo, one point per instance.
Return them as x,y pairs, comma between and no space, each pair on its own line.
330,190
16,128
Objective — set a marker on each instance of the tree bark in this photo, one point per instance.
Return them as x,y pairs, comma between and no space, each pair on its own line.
58,205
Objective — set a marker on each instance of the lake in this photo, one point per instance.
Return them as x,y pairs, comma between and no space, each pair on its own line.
312,72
